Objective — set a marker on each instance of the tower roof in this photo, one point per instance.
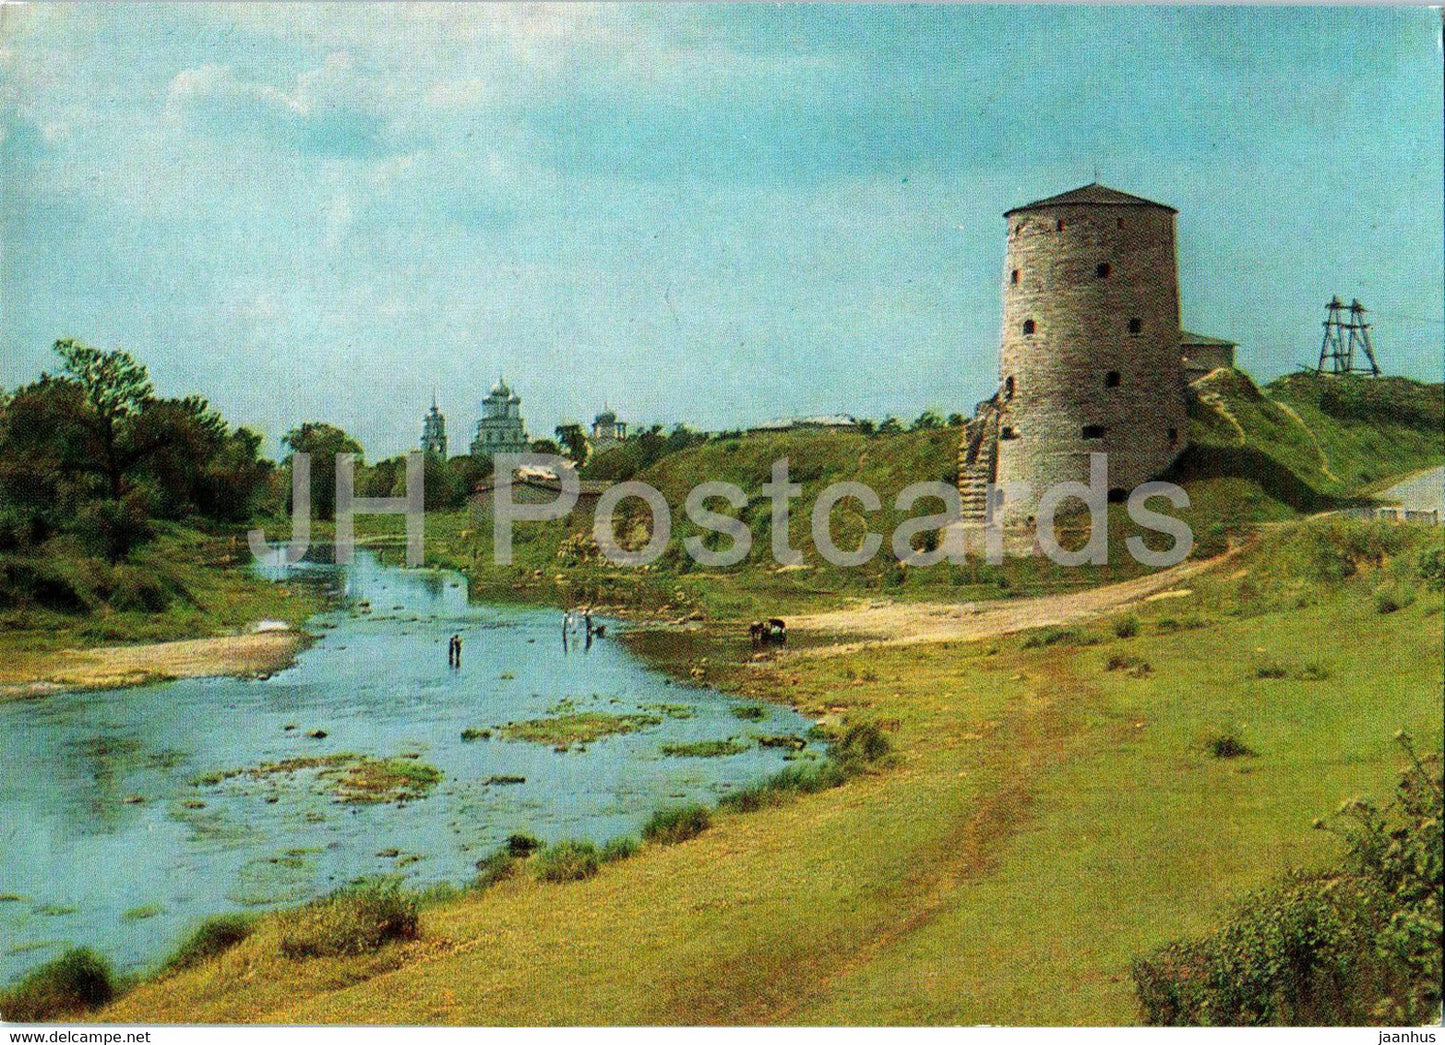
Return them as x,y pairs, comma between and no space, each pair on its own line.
1091,195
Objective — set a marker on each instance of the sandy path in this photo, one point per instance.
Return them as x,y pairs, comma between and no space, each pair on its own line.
107,667
904,623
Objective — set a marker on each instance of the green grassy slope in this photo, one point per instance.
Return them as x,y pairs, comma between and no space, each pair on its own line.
1305,442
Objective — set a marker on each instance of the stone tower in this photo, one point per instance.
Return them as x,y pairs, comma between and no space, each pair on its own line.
434,432
1090,352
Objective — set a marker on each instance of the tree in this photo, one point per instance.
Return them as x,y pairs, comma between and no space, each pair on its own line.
545,446
114,387
890,426
956,420
323,442
574,440
927,421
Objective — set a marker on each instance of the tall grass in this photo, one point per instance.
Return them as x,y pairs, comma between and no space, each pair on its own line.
355,920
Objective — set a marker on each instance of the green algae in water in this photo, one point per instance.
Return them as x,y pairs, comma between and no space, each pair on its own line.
581,728
136,914
704,749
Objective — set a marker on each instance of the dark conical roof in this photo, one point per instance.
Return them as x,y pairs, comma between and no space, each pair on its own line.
1091,195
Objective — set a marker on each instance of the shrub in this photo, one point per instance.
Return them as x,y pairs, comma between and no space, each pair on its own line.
672,824
520,845
1138,667
619,848
76,981
860,745
1229,745
212,937
749,712
570,860
1357,945
355,920
1126,627
1432,569
1392,597
1271,669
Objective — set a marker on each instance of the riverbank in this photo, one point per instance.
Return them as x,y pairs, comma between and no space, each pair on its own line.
27,675
1053,810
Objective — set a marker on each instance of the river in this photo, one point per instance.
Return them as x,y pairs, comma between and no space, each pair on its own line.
126,816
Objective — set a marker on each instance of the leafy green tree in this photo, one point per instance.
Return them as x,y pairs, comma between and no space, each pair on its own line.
890,426
574,442
323,442
927,421
114,388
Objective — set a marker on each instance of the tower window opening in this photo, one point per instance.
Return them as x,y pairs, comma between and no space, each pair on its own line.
1092,432
1007,432
1118,495
1136,325
1112,379
1121,223
1029,326
1008,387
1060,225
1174,435
1013,277
1102,270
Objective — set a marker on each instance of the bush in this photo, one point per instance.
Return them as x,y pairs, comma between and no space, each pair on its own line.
521,846
212,937
619,848
1138,667
1432,569
1228,745
355,920
1358,945
1126,627
76,981
673,824
860,745
1271,669
1393,597
567,861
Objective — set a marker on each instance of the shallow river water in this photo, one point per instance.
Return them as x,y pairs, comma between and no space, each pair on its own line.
115,835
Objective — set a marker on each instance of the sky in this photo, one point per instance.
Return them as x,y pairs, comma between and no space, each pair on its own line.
708,214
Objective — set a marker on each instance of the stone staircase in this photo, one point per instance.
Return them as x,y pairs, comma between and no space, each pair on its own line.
978,462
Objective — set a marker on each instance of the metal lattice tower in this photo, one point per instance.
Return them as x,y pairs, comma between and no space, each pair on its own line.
1337,351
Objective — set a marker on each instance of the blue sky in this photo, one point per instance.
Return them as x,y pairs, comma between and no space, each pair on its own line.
710,214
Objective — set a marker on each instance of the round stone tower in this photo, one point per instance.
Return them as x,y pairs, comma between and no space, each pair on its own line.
1090,356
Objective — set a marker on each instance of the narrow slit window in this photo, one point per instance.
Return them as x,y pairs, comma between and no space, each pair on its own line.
1174,435
1093,432
1060,225
1008,387
1013,277
1102,270
1029,326
1136,325
1112,379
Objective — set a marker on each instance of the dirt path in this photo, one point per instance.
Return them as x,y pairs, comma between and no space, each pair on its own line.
109,667
904,623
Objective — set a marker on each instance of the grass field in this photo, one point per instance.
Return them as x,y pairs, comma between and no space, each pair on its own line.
1043,820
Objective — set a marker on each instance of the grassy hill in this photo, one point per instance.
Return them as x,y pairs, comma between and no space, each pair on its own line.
1305,442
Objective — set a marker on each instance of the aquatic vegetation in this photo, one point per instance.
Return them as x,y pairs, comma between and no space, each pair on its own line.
704,749
76,981
788,740
503,778
584,727
386,780
470,734
354,920
521,845
672,710
672,824
136,914
55,910
750,712
494,867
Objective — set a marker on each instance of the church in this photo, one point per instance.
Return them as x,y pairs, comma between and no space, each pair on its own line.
501,429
